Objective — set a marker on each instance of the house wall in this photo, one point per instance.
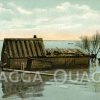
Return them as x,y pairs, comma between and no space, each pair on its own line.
18,63
61,62
49,63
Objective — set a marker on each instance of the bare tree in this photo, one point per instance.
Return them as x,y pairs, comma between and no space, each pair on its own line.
85,44
95,43
91,45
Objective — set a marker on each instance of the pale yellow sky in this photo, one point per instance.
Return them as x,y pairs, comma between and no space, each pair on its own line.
45,34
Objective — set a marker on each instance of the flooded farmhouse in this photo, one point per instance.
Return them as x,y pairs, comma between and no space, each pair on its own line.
31,54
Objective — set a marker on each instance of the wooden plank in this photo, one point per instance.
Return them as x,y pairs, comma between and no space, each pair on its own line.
9,49
33,48
5,50
19,49
27,72
37,47
24,48
28,49
15,48
41,46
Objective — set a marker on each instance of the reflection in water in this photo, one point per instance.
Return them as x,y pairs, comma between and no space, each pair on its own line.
22,89
95,74
36,89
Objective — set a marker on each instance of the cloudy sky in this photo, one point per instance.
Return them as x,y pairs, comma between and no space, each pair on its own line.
50,19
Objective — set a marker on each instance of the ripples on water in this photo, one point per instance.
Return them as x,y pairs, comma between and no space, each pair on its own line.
48,89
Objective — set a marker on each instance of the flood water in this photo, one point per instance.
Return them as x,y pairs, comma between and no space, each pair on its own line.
49,89
82,88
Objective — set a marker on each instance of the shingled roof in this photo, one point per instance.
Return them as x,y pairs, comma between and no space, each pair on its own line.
23,47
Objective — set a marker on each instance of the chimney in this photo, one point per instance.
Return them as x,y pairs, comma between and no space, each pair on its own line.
34,36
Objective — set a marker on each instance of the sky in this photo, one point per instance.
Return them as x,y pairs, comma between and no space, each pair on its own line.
49,19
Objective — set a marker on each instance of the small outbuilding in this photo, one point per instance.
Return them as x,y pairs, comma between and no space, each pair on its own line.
30,54
17,51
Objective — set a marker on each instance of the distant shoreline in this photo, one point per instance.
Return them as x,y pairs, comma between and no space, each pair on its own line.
56,40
